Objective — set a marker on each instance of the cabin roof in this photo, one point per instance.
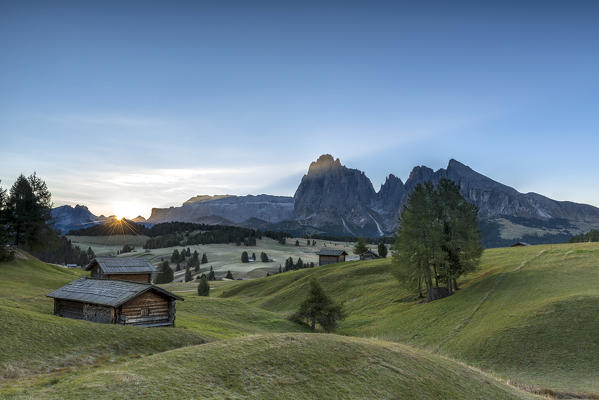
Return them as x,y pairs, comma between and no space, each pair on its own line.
369,252
331,252
106,292
124,265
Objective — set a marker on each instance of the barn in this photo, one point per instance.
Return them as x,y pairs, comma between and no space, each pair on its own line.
330,256
369,255
115,302
125,269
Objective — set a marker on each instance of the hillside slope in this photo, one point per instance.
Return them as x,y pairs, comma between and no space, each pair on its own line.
35,341
527,314
286,366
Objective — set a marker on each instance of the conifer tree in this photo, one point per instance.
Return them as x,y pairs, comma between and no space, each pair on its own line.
319,309
203,287
204,259
360,246
382,248
229,275
187,274
165,273
211,276
244,257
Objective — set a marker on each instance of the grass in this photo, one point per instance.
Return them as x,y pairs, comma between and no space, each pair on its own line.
222,257
284,366
527,315
35,341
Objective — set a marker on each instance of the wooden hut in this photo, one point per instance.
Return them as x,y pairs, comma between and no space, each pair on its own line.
369,255
115,302
330,256
124,269
520,244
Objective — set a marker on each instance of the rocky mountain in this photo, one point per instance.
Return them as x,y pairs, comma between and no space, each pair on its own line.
66,218
339,200
336,200
227,210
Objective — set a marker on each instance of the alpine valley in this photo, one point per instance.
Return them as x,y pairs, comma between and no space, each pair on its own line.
335,200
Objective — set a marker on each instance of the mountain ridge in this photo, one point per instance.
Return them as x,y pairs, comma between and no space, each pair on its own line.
333,199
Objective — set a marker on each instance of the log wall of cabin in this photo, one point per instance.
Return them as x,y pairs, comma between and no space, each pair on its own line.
147,309
324,260
144,278
84,311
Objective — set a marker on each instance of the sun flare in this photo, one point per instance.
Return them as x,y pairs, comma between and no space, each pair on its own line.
125,209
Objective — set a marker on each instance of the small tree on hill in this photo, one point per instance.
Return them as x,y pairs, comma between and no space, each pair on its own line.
203,287
229,275
187,274
254,256
175,257
165,273
360,246
300,264
211,276
204,259
319,309
382,250
244,257
263,257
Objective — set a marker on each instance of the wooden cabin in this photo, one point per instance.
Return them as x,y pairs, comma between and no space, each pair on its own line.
124,269
520,244
330,256
115,302
369,255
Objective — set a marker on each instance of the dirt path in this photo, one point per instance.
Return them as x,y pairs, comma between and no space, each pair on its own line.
482,301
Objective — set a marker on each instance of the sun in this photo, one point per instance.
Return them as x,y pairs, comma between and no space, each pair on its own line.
126,209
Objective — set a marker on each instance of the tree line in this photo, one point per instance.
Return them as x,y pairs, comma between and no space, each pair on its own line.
25,223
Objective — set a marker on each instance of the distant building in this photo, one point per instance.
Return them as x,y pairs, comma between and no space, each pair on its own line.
115,302
330,256
520,244
124,269
369,255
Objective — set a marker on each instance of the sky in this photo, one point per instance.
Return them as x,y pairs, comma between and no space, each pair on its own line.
124,106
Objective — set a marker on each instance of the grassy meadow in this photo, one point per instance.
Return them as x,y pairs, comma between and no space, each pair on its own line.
526,318
527,315
221,257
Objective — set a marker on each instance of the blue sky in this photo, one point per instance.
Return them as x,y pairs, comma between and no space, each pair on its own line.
124,106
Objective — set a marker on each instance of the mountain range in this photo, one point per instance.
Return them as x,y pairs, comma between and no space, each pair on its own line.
333,199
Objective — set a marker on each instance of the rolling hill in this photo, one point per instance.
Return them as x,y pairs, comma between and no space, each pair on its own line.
528,315
286,366
35,341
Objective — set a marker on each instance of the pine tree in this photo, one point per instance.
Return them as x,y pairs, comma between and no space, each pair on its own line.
175,257
280,269
263,257
360,246
178,268
297,242
165,273
27,211
319,309
211,276
204,259
300,264
90,253
229,275
203,287
253,256
382,249
244,257
187,274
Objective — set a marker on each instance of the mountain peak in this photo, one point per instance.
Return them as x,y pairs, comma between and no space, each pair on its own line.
325,161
